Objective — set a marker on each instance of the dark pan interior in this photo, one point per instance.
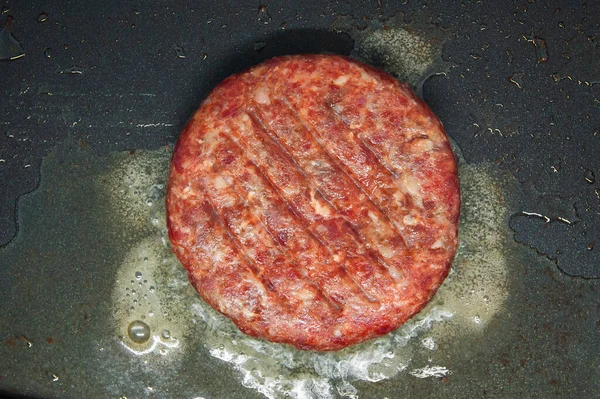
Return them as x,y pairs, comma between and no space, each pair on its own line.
104,87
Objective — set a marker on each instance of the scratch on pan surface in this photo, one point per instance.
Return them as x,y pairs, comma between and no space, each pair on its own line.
159,124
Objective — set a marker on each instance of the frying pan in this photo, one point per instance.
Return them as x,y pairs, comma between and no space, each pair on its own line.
90,113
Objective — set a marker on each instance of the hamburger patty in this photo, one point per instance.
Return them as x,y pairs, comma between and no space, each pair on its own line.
314,200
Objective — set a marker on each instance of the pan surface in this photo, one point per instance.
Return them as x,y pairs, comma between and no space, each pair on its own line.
93,303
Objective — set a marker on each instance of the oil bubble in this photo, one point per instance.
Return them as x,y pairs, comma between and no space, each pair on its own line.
179,50
74,70
429,343
589,176
138,275
263,16
541,48
138,331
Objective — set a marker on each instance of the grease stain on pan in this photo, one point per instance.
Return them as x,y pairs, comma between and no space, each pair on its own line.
135,186
468,300
134,183
406,53
412,53
185,333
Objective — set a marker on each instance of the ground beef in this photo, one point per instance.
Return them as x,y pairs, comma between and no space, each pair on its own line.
314,200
